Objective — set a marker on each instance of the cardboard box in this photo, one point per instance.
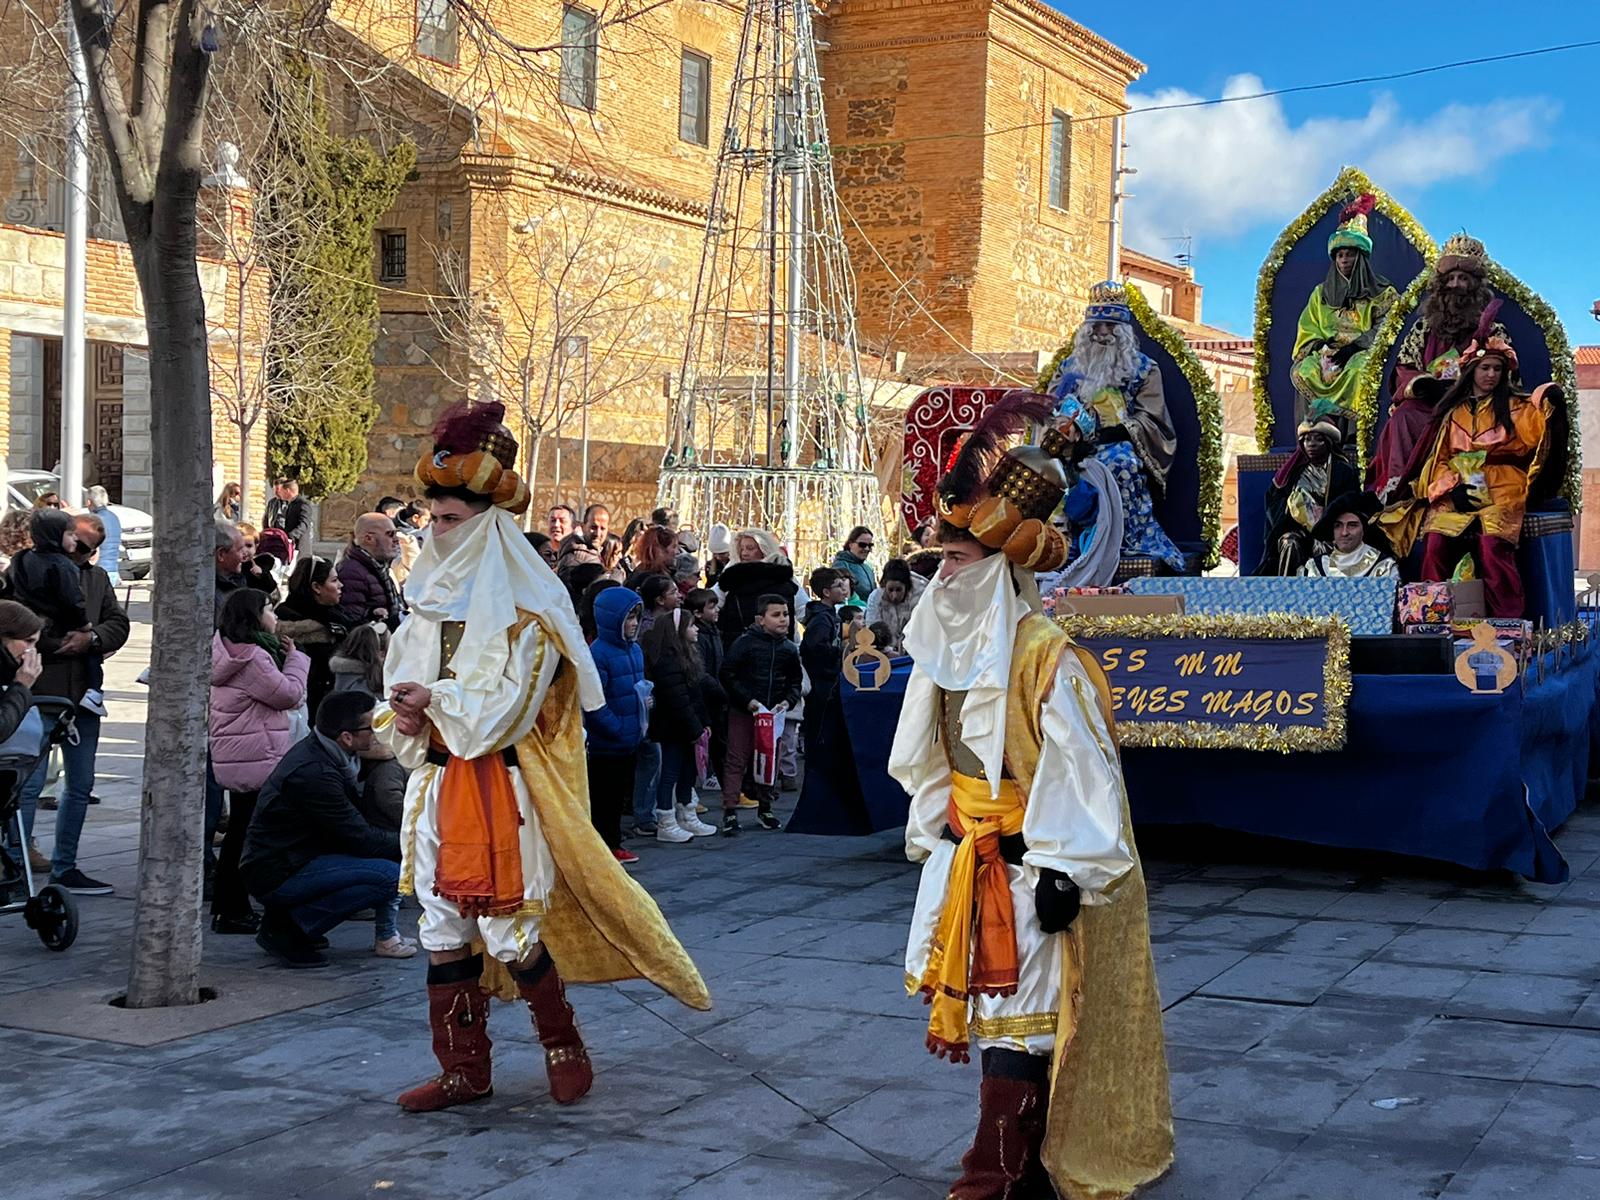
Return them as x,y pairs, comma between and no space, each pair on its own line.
1467,600
1119,606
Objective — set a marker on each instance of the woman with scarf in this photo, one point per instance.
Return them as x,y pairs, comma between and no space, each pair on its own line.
312,617
1341,319
258,680
758,569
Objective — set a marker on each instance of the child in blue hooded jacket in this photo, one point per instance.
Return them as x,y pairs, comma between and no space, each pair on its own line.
616,731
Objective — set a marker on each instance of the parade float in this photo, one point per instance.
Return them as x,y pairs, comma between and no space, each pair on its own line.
1349,705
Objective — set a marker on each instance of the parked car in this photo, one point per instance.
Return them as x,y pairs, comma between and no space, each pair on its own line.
138,526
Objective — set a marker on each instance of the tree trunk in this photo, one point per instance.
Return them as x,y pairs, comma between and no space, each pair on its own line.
245,430
166,926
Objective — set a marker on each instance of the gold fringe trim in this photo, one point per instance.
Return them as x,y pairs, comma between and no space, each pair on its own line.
408,866
1021,1025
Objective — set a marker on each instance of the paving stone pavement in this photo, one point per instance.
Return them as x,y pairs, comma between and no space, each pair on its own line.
1337,1025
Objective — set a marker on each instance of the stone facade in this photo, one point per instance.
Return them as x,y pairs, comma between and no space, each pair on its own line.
942,113
911,90
32,276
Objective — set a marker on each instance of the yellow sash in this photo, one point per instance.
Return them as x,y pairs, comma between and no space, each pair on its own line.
975,947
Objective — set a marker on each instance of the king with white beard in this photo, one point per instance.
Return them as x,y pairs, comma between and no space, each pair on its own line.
1108,374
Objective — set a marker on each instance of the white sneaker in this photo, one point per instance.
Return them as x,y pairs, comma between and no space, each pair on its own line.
668,829
689,820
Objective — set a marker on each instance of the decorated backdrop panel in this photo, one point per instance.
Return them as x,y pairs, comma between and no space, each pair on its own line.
1297,263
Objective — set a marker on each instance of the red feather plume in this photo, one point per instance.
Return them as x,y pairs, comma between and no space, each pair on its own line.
979,452
1359,207
463,427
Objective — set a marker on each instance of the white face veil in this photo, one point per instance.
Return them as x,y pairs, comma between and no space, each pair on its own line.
961,635
482,573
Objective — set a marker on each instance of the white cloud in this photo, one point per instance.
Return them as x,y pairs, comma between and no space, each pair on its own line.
1217,170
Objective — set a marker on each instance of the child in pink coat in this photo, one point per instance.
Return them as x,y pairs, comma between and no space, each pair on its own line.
258,696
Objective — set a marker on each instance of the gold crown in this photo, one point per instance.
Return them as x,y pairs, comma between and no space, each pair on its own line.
1108,292
1464,245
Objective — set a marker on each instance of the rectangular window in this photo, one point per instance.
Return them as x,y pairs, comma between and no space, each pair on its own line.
694,99
392,256
1060,159
436,30
580,54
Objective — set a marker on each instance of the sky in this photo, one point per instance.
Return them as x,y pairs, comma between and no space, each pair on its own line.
1508,151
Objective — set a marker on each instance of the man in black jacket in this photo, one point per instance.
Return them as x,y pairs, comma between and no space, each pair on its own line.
291,512
310,857
761,673
72,670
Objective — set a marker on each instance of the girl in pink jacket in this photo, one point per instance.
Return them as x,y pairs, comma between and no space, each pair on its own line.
258,681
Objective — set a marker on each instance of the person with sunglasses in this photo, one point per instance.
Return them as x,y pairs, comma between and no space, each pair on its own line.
852,560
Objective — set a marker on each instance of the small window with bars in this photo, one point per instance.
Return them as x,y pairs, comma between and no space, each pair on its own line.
436,30
392,256
580,55
694,99
1060,159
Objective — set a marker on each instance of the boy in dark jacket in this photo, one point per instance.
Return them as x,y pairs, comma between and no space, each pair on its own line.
821,646
762,671
704,606
616,730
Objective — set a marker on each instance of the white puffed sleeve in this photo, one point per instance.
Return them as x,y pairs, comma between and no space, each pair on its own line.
919,764
1074,818
410,750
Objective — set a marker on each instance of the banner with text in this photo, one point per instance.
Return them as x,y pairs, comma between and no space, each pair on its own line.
1246,682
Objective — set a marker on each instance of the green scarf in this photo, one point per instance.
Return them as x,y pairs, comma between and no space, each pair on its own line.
270,643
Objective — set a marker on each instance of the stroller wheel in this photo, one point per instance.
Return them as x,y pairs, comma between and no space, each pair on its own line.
53,914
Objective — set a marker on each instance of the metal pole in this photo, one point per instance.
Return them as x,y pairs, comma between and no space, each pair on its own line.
774,193
794,127
1115,256
77,232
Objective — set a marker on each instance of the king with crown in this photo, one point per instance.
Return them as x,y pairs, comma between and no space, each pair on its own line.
1109,375
1340,320
1459,309
487,682
1030,937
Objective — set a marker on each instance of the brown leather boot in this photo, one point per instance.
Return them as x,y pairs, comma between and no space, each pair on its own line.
566,1060
1004,1162
458,1011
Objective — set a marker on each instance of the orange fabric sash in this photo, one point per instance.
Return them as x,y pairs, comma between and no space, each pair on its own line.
974,950
480,851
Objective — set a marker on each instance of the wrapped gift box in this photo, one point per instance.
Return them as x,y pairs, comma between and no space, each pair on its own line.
1366,605
1425,604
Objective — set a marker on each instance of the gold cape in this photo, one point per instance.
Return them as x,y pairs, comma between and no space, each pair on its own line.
1109,1128
599,925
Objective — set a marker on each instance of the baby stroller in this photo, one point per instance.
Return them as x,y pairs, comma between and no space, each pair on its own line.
51,910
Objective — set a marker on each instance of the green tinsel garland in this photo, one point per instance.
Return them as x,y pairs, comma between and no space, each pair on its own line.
1350,184
1563,369
1208,408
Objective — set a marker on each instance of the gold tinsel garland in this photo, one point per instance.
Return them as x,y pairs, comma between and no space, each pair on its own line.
1208,410
1202,735
1350,184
